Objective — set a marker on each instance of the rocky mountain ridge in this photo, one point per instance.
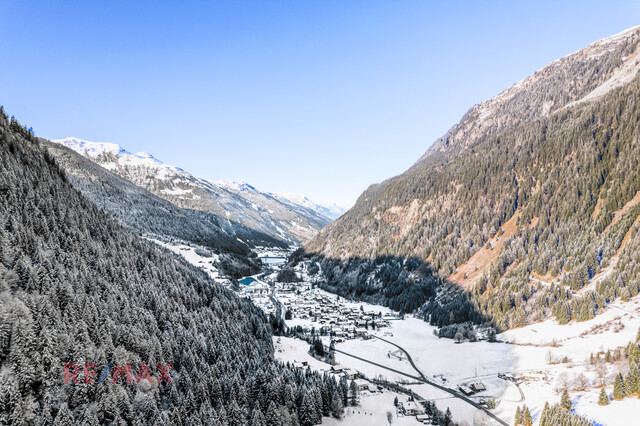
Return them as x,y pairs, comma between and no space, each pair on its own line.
239,202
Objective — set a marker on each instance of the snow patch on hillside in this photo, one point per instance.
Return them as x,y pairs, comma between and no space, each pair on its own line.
239,186
625,74
189,253
593,51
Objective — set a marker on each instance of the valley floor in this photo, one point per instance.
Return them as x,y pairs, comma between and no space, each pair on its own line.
374,407
441,360
529,366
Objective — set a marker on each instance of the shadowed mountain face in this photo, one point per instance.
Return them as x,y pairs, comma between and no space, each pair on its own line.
402,284
534,190
240,202
146,213
141,211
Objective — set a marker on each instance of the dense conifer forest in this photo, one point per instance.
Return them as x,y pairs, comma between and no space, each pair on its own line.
77,287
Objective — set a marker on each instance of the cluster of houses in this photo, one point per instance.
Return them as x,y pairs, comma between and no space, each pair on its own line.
259,292
329,315
415,408
349,373
472,389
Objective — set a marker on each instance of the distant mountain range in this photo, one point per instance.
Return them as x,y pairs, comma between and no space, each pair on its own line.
332,211
151,216
288,217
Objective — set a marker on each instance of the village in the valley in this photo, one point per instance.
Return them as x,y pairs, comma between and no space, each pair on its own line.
404,374
311,313
316,310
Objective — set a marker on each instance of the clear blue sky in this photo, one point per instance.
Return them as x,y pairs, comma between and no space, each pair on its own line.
318,97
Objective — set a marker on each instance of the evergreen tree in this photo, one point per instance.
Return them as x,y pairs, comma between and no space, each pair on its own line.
618,387
64,416
603,399
307,412
337,409
223,418
556,415
526,416
344,390
565,401
273,415
258,419
331,356
353,394
236,415
632,382
518,417
447,418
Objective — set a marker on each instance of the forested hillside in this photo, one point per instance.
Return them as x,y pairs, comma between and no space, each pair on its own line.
238,201
76,287
144,212
529,204
151,216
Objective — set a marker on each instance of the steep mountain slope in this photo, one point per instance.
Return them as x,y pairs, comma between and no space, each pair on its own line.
582,76
239,202
76,288
147,214
505,203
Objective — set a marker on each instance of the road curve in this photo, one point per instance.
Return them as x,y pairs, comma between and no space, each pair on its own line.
522,398
425,380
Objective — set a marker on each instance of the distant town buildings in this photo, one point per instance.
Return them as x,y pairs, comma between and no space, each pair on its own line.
325,314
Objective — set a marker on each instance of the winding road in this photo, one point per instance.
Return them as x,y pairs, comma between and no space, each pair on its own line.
422,378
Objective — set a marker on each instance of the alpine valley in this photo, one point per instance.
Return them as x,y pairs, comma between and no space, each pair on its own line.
494,282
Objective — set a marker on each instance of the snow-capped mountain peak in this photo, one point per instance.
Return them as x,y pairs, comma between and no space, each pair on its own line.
287,216
293,197
91,149
333,211
94,149
145,154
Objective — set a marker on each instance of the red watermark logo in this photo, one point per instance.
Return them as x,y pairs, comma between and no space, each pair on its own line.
124,372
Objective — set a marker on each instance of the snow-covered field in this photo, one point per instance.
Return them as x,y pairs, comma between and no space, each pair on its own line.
612,329
373,407
372,411
192,257
441,360
524,353
437,359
